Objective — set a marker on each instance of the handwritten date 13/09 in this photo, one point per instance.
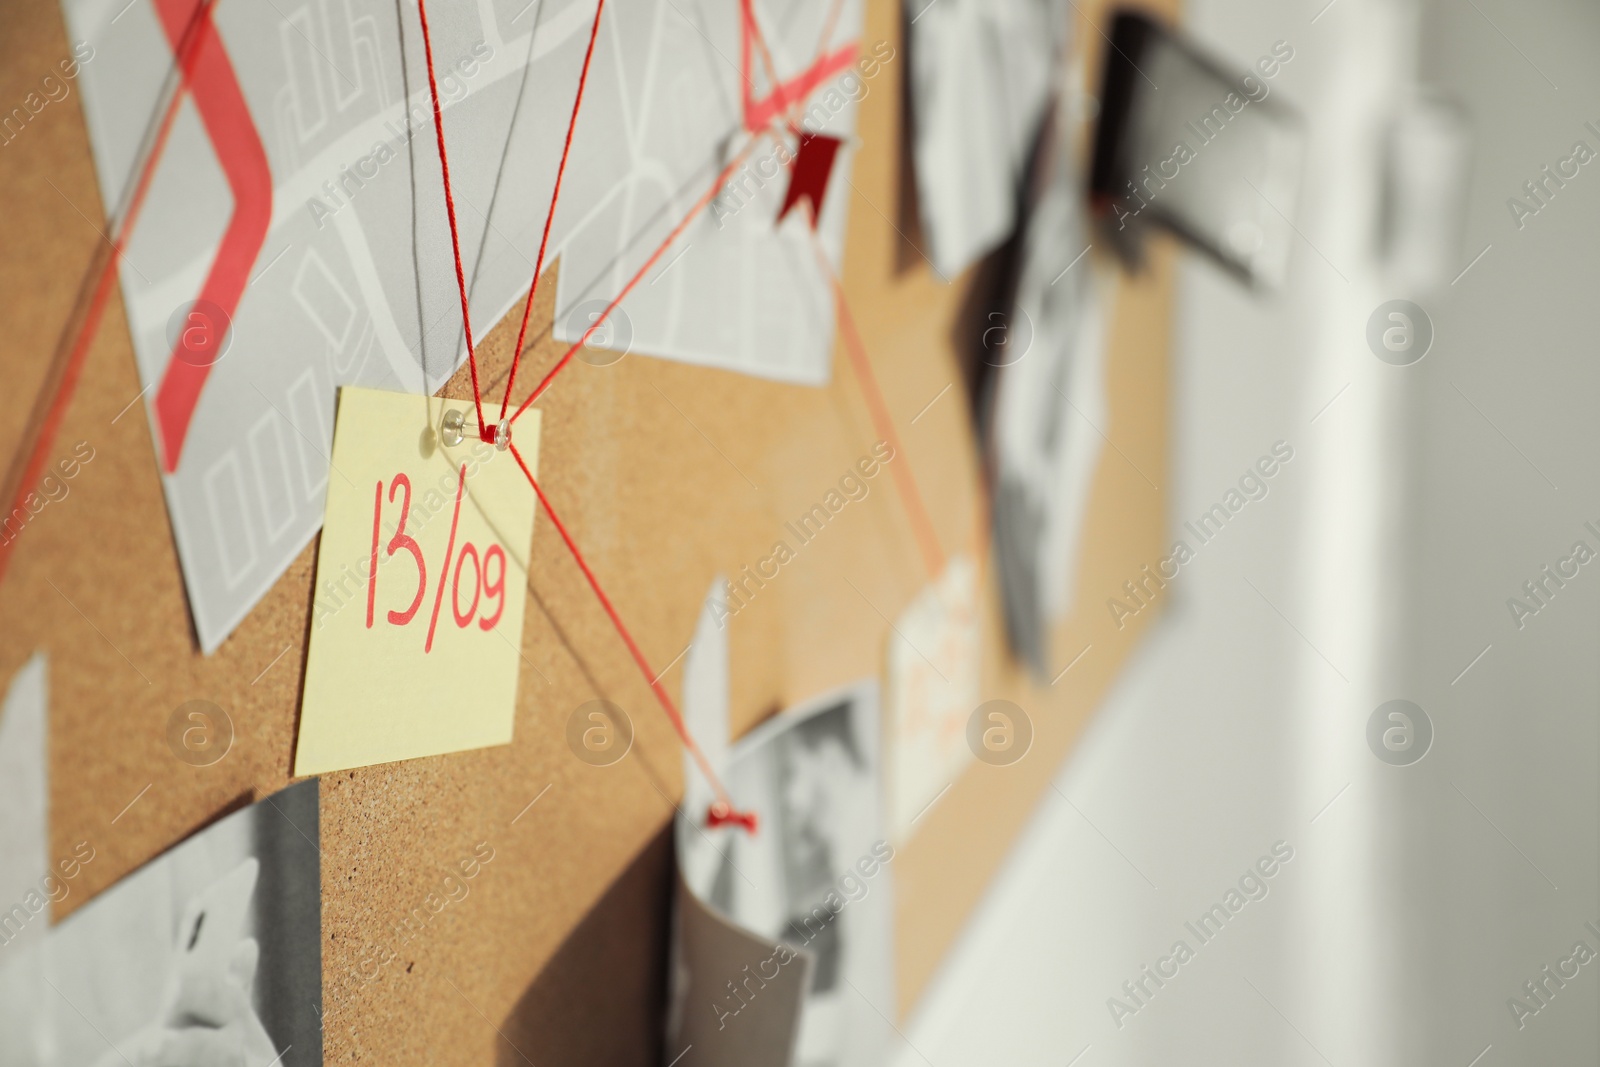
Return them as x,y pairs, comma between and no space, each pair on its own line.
481,590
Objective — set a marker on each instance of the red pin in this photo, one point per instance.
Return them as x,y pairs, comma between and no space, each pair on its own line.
723,814
809,178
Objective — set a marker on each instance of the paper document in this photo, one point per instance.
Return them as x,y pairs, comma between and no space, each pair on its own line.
29,886
215,945
934,667
294,235
782,942
1050,416
982,73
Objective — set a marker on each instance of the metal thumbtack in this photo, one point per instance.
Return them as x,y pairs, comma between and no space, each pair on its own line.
452,429
502,435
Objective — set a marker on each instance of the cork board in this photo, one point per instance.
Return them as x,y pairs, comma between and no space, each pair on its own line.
666,474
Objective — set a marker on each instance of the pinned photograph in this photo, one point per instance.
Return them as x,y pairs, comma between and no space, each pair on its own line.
1048,416
782,937
208,954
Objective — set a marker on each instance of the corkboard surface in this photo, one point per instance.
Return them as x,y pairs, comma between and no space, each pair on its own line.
666,474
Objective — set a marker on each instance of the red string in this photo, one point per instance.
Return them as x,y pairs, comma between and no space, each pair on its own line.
821,67
786,97
723,810
95,290
677,231
910,496
527,310
748,29
450,209
828,24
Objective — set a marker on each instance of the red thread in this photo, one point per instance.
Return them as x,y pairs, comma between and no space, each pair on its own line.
655,256
748,31
450,209
803,85
785,95
758,114
722,812
910,497
724,802
829,23
232,131
50,405
768,109
538,264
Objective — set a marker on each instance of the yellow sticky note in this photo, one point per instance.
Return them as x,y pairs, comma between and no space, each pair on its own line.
416,630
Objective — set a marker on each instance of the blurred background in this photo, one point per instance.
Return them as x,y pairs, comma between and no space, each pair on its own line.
1422,897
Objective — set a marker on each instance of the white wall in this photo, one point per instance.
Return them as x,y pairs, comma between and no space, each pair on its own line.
1377,568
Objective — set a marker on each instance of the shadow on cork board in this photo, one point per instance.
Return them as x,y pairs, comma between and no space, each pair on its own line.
602,996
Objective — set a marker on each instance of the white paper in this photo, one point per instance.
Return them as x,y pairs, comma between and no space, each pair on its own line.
811,892
1051,416
734,291
245,888
981,76
24,865
933,687
705,713
354,283
24,787
814,778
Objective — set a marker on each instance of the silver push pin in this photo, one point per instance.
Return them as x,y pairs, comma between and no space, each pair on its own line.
452,428
502,435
